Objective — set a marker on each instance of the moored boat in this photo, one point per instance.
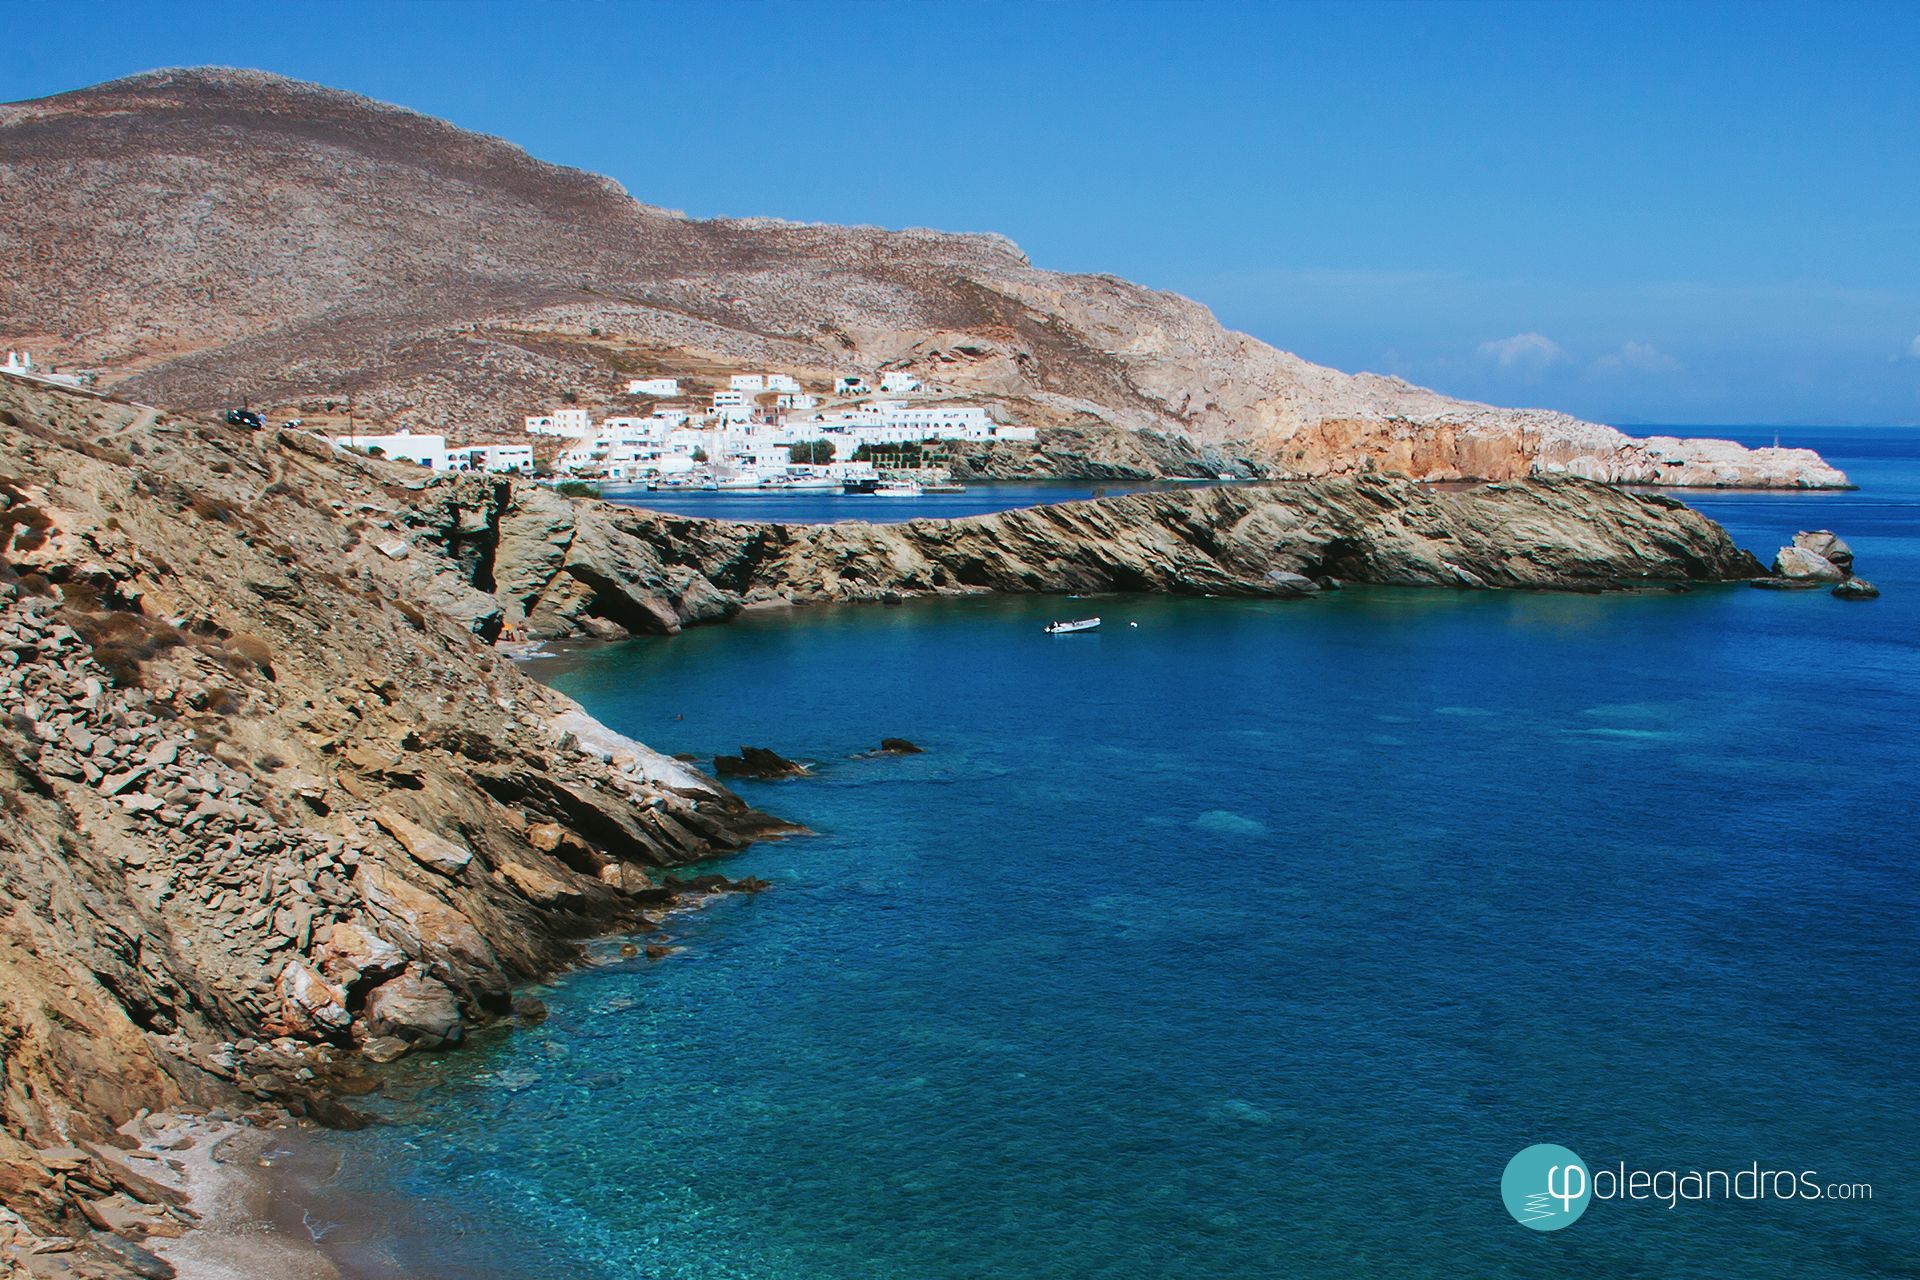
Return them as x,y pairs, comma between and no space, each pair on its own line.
1068,628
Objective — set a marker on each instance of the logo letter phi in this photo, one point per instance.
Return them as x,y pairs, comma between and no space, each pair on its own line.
1568,1191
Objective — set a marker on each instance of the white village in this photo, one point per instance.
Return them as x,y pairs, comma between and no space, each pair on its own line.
764,432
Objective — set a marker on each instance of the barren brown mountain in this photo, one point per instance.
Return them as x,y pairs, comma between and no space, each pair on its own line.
198,236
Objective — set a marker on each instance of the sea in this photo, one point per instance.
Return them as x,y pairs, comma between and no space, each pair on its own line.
1239,939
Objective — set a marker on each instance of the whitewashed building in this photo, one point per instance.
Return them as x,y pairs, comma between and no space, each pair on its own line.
747,382
502,458
402,446
561,422
849,384
898,383
664,388
20,365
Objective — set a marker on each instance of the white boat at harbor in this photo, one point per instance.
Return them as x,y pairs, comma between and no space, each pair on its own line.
897,489
1068,628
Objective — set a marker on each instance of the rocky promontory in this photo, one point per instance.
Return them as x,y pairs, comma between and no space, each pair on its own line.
553,567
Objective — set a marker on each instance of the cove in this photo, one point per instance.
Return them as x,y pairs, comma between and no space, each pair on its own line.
1249,941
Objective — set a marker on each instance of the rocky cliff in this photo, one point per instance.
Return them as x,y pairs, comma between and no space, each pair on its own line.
202,235
268,795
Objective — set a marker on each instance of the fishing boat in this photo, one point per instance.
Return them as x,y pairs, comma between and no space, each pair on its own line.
1068,628
866,484
897,489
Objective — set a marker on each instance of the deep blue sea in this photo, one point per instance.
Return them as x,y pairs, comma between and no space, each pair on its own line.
1251,941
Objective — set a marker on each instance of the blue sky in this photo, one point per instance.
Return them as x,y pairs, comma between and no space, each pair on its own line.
1669,213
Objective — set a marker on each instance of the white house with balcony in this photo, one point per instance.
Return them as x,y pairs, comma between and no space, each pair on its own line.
898,383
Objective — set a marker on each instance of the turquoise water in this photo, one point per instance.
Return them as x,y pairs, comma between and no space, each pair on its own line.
1251,941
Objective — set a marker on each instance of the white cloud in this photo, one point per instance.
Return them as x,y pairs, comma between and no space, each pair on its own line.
1914,349
1636,357
1523,352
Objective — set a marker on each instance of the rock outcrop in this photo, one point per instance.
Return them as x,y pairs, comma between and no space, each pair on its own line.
268,791
1798,564
561,567
196,234
1828,546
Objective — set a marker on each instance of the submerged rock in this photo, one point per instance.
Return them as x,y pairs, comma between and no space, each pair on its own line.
384,1049
757,762
1856,589
898,747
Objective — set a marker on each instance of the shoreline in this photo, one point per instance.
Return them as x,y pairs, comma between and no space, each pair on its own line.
252,1214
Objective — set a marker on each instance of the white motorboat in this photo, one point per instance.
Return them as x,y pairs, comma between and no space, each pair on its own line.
1068,628
897,489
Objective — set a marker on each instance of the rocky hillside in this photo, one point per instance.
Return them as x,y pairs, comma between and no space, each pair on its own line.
201,235
269,793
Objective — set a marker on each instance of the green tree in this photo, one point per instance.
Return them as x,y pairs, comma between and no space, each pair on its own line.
815,453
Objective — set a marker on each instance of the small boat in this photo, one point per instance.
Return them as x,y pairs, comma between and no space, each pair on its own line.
865,485
897,489
1068,628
